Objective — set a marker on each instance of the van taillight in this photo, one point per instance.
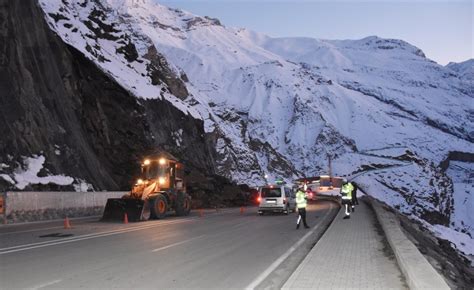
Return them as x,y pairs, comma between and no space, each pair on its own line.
259,199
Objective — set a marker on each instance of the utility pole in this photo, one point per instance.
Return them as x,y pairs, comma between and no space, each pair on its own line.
330,169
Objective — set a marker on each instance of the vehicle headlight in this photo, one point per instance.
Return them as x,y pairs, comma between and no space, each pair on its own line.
139,181
161,180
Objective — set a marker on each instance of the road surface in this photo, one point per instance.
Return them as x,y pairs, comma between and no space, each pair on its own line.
218,250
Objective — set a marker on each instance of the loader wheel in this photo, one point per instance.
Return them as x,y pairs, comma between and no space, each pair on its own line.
183,204
159,206
146,212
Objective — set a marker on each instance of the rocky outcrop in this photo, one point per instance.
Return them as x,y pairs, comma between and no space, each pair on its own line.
456,156
159,71
59,104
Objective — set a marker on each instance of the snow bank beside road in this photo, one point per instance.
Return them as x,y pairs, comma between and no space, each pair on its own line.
462,242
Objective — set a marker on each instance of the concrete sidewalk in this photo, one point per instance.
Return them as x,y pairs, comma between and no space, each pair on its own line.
353,253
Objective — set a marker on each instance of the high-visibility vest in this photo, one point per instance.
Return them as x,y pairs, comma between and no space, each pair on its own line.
300,199
346,191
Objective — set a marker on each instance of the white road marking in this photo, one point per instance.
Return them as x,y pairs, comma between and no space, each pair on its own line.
25,247
164,236
45,285
92,218
176,244
240,224
117,230
283,257
33,230
83,237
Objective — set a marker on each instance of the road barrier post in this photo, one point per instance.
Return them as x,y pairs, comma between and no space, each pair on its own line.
67,224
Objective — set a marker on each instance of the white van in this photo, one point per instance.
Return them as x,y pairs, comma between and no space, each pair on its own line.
276,198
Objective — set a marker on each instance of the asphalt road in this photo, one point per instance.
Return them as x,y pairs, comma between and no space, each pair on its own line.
223,249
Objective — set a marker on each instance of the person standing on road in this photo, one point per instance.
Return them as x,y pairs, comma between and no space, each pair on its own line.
354,195
301,202
346,192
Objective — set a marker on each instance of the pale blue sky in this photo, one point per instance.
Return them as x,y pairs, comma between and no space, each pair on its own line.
442,29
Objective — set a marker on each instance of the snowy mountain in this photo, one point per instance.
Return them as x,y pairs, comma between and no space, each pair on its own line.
465,69
387,116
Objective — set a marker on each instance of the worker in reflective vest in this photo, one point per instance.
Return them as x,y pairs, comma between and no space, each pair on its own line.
346,193
301,205
354,195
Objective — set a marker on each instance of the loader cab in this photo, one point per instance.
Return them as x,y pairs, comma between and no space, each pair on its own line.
165,172
161,170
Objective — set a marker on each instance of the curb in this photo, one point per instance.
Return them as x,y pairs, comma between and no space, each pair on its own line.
417,270
293,276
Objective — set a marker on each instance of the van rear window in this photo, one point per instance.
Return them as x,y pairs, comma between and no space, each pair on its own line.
271,192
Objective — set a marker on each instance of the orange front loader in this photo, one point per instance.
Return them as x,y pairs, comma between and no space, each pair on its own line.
160,188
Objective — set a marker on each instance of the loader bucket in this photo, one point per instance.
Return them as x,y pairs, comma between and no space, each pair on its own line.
116,208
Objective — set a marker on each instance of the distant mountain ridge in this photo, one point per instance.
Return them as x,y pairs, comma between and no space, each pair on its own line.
465,69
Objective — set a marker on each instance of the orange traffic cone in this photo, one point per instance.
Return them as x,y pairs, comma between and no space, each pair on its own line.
67,225
200,212
241,210
125,218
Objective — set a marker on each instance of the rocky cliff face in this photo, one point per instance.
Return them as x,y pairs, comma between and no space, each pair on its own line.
64,120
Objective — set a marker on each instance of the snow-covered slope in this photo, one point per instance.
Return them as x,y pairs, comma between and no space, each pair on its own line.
385,114
465,69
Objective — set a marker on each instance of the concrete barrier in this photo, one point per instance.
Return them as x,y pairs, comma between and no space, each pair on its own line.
416,269
35,206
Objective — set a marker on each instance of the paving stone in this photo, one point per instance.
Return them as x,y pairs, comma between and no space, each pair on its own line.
351,254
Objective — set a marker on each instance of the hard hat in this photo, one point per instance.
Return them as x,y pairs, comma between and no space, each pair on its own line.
344,180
